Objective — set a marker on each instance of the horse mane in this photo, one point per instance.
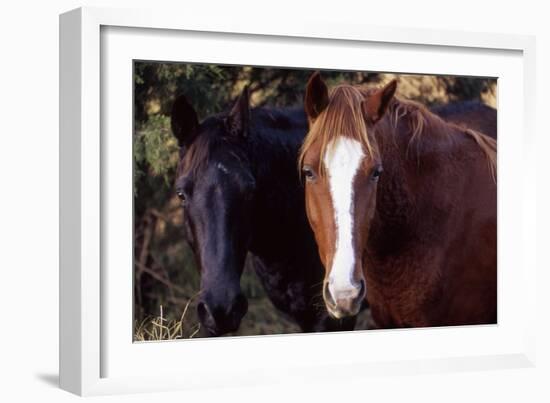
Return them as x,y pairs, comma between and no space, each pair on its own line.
420,118
266,127
197,154
344,116
488,145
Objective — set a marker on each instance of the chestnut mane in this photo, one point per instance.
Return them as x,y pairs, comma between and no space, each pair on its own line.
343,116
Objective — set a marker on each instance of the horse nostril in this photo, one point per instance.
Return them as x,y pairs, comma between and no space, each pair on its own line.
362,290
327,296
205,316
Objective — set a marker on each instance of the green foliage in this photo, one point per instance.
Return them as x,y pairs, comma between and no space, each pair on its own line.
155,149
157,84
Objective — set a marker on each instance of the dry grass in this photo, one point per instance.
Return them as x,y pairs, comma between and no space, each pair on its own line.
159,328
258,321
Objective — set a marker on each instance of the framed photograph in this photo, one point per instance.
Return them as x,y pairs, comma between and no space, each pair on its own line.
242,203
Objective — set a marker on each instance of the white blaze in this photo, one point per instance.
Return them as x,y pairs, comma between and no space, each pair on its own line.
342,161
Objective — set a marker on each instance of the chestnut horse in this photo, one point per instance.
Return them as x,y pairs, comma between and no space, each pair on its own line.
403,207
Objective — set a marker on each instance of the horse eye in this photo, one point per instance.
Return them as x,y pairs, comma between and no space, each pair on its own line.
308,173
377,172
181,196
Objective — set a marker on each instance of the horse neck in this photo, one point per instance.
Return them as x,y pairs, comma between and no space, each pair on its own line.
407,192
279,213
273,149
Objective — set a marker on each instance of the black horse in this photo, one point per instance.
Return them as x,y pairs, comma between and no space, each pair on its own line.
471,114
241,193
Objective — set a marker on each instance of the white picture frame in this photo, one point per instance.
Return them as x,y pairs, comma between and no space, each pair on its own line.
96,351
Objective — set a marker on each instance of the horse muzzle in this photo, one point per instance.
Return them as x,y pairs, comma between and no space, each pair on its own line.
220,319
344,302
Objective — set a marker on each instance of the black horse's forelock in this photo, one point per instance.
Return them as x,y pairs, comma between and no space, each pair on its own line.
198,154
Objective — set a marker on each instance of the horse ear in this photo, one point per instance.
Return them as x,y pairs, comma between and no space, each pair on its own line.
184,121
238,119
376,105
316,98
